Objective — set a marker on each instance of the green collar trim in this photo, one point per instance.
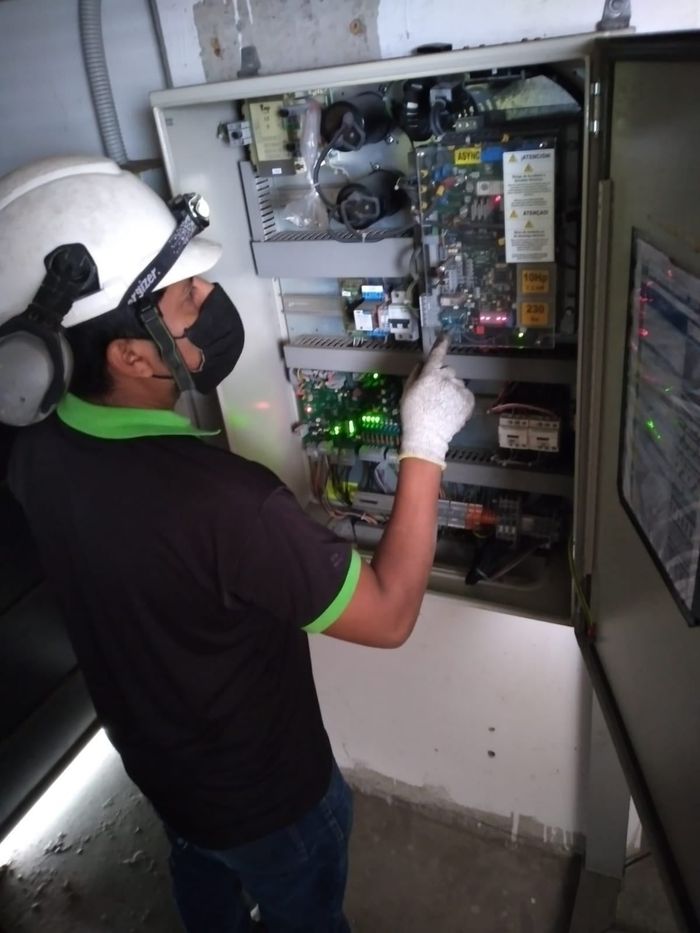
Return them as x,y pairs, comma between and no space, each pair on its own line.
121,424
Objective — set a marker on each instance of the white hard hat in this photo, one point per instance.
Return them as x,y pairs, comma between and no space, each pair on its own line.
89,200
82,232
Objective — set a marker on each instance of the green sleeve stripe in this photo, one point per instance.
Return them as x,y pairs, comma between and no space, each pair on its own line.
341,601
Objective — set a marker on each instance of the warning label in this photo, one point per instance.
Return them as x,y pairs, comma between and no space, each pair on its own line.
469,155
533,314
528,190
534,281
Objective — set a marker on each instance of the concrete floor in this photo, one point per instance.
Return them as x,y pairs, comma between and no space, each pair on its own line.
100,866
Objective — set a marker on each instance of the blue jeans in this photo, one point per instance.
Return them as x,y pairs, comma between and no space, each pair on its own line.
296,875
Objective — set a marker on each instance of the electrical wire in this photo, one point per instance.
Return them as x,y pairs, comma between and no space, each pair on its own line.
636,858
514,460
514,562
321,473
320,158
519,406
583,602
437,111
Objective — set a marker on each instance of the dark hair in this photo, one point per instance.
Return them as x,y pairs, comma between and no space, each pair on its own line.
89,342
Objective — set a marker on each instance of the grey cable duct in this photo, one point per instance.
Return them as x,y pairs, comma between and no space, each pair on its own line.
90,14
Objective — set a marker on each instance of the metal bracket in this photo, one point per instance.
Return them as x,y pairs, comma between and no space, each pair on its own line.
250,62
617,14
236,133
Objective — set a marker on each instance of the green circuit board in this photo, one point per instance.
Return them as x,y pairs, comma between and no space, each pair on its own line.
348,409
480,298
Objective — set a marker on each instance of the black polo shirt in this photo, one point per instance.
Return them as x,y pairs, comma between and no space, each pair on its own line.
188,577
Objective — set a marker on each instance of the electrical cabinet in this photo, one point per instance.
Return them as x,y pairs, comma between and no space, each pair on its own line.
494,194
376,207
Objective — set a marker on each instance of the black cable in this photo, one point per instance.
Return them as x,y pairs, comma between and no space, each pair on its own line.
436,111
636,858
331,205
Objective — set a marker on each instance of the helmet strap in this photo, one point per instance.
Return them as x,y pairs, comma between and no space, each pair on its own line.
140,292
188,226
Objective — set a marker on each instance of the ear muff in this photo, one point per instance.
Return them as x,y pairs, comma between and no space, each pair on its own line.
36,363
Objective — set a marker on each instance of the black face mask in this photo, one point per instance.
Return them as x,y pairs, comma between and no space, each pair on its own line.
218,333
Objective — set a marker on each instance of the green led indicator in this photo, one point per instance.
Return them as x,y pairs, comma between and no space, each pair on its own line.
652,428
351,427
336,430
521,334
375,375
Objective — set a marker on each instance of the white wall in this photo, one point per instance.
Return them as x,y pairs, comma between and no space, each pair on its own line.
423,716
204,37
45,105
404,24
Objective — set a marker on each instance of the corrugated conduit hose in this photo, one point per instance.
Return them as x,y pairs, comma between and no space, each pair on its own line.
90,14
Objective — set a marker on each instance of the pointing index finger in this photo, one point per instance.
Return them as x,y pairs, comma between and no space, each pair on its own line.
437,355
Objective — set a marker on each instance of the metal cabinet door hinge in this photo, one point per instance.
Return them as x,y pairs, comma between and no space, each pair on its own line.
594,123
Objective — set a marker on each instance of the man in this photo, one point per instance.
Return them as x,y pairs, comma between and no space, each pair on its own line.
189,577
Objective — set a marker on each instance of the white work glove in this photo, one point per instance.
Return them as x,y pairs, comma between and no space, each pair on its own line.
435,405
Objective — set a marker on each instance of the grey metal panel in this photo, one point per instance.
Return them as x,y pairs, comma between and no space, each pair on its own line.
650,658
463,468
608,802
259,225
535,52
328,258
339,354
36,655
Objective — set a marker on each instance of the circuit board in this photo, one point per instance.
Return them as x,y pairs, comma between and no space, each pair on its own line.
275,125
348,409
473,292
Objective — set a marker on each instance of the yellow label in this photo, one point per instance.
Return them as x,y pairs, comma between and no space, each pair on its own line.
468,156
533,314
534,281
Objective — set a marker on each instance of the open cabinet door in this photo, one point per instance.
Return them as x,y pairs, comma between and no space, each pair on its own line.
642,640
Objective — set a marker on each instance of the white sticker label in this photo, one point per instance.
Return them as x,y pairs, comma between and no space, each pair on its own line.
528,201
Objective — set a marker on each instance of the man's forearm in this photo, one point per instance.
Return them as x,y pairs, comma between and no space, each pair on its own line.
404,558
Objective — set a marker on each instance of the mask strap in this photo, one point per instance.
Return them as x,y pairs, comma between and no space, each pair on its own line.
192,215
164,340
